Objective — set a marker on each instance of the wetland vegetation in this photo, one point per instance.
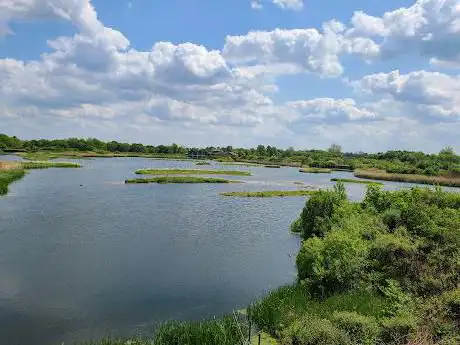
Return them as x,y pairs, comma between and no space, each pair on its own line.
315,170
191,172
452,181
178,179
270,193
349,180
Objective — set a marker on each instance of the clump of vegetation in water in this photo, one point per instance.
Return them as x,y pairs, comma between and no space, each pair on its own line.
7,177
46,165
453,181
382,271
270,194
349,180
315,170
178,179
191,172
203,163
272,166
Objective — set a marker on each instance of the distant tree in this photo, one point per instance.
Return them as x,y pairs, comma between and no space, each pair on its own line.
447,151
336,149
261,150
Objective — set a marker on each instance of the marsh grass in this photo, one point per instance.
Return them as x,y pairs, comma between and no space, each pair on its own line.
202,163
349,180
47,165
8,176
191,172
315,170
241,164
272,166
409,178
178,179
270,194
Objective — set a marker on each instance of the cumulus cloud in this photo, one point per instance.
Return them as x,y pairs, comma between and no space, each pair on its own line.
329,110
295,5
311,50
425,95
429,28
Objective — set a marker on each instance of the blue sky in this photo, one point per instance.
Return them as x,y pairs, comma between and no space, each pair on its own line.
369,75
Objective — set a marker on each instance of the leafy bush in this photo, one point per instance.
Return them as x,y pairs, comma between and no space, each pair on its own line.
397,330
317,213
362,330
314,331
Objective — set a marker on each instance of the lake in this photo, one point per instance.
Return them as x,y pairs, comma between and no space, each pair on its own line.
84,256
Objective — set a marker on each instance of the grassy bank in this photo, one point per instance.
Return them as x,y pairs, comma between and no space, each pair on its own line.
178,179
272,166
315,170
422,179
8,176
349,180
191,172
270,194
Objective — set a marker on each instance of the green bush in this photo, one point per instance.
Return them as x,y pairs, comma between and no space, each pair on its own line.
397,330
392,218
333,263
362,330
317,213
314,331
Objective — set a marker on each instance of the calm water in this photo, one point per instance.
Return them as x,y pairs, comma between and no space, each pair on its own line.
82,255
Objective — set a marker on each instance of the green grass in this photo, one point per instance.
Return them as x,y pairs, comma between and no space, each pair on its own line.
349,180
409,178
224,331
9,176
203,163
178,179
243,164
46,165
269,194
191,172
315,170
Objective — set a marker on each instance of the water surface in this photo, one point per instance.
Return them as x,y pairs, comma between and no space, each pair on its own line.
82,255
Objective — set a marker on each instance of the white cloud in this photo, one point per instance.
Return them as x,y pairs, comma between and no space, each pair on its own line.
429,28
295,5
427,96
329,110
311,50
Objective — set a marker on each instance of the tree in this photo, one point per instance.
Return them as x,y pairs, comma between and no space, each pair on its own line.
336,149
261,150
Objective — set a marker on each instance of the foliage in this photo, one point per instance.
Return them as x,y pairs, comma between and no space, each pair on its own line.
362,330
314,331
446,163
398,329
178,179
191,172
9,176
270,193
349,180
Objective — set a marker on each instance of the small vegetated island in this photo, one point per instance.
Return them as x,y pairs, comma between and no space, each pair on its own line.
178,179
14,171
349,180
270,193
191,172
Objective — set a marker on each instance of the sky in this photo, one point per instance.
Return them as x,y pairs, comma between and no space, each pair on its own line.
369,75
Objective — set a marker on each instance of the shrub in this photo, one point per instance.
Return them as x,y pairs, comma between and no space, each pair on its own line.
334,263
314,331
317,213
392,218
398,329
362,330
